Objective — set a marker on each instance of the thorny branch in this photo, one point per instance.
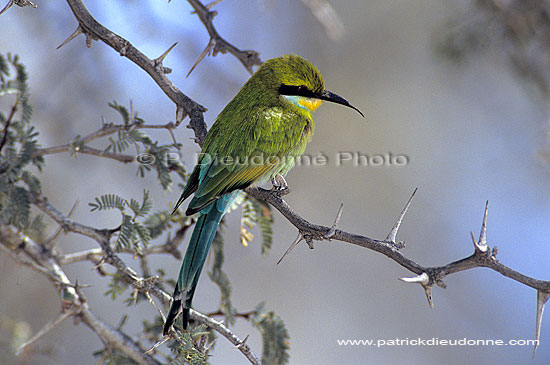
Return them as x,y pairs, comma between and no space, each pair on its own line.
93,30
80,145
48,263
217,44
88,26
427,277
21,3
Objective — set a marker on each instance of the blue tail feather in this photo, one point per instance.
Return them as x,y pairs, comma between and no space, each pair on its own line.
195,256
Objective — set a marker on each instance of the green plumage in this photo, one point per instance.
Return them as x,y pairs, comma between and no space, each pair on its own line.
258,134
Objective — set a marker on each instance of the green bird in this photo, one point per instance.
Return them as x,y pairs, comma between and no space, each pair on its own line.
257,137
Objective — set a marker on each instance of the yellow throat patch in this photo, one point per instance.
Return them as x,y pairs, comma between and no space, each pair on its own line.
310,103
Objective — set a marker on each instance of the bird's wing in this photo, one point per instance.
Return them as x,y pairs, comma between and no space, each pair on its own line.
239,156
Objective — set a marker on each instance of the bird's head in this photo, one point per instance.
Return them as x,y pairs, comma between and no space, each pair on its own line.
296,80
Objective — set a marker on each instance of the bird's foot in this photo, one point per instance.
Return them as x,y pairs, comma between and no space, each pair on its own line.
280,185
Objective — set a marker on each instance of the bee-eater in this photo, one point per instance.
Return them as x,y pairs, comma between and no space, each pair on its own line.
257,136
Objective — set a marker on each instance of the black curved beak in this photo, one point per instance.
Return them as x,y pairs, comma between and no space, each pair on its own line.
330,96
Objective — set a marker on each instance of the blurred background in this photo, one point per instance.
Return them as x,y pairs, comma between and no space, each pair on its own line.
459,87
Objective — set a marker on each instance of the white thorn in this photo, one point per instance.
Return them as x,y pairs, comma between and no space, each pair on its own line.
393,233
420,279
424,280
294,244
482,242
332,229
212,4
477,246
542,298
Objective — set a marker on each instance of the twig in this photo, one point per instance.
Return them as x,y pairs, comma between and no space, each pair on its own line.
53,272
327,16
20,3
94,30
217,44
317,232
48,327
41,202
50,242
226,332
245,315
107,129
71,258
147,285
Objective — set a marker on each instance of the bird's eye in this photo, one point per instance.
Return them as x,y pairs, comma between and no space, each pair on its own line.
300,90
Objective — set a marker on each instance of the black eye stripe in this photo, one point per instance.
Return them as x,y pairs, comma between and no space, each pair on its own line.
296,90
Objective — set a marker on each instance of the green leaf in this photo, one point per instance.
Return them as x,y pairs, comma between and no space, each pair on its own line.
21,205
141,210
108,201
256,213
127,138
274,337
189,353
158,222
143,234
265,222
32,182
116,287
146,204
127,233
121,110
163,171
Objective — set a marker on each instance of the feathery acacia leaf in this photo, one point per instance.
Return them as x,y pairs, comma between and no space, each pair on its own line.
158,222
256,213
189,353
126,233
121,110
143,208
108,201
131,232
32,181
274,337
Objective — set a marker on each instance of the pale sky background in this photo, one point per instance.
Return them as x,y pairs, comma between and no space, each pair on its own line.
471,133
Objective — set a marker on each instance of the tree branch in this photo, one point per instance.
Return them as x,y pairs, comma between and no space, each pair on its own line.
21,3
427,276
79,146
70,295
436,274
145,285
248,58
93,30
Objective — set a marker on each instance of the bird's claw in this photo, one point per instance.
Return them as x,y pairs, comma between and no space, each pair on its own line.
279,182
280,186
